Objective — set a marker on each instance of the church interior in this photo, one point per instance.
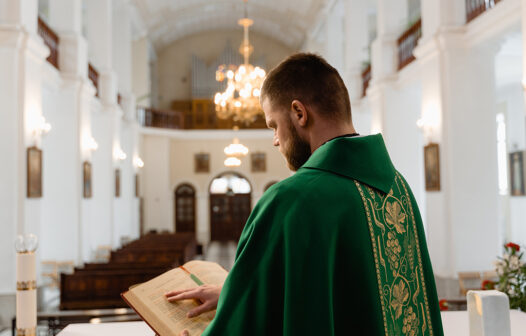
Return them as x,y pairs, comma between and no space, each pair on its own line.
125,151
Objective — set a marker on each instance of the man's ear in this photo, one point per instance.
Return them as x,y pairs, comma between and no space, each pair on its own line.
299,113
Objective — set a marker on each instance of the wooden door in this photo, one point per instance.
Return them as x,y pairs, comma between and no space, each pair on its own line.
185,208
228,215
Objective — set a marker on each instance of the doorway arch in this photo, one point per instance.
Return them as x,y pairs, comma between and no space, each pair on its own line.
185,208
230,205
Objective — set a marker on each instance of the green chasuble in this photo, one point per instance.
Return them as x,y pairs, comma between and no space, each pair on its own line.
336,249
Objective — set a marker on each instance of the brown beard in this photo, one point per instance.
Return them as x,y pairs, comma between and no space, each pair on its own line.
298,151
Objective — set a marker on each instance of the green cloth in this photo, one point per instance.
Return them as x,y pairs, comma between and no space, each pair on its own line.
336,249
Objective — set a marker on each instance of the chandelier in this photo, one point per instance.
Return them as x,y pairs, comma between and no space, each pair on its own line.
240,100
235,151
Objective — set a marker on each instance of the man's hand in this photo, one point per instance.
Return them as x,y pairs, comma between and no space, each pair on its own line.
208,296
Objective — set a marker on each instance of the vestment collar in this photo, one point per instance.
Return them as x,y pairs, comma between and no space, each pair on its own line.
364,159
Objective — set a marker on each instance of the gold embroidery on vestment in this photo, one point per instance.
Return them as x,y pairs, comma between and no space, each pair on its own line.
394,234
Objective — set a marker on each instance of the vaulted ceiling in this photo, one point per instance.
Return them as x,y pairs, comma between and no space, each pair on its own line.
288,21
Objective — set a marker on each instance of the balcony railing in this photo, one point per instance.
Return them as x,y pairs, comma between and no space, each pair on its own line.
51,40
366,79
194,115
149,117
93,76
407,44
476,7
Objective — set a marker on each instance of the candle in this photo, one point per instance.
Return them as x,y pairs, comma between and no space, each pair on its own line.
26,286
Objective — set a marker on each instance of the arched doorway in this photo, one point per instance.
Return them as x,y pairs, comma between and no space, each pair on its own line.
185,208
230,202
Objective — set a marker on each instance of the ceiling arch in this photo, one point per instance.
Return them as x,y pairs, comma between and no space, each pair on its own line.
286,21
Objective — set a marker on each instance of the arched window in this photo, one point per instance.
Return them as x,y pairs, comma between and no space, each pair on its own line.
185,208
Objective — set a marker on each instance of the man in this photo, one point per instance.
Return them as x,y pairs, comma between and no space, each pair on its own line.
339,247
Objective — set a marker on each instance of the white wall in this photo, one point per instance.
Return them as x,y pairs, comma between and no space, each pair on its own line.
169,161
513,208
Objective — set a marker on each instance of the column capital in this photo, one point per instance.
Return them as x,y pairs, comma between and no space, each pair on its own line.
73,49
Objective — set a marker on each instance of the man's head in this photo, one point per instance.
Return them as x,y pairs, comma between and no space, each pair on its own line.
305,101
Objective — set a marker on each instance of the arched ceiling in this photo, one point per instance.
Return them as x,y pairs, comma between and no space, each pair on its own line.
287,21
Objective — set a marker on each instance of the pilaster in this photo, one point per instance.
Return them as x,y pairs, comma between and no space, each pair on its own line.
458,113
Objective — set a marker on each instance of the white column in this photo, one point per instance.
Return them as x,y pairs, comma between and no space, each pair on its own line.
459,114
22,55
99,34
336,36
523,22
356,45
67,213
101,48
391,20
141,76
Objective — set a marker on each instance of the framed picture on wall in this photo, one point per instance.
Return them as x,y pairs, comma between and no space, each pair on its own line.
432,167
258,162
117,183
517,174
34,172
86,173
202,163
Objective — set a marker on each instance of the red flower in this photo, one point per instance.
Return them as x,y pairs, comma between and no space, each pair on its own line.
513,246
488,284
443,304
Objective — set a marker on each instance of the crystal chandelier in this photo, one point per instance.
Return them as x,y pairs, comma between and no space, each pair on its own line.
240,100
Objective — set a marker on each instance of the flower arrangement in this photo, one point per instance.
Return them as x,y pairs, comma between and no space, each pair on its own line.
443,305
512,276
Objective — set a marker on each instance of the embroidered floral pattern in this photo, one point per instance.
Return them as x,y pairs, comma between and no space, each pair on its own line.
410,322
393,251
399,297
401,282
395,216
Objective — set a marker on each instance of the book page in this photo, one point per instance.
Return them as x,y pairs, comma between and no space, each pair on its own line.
169,318
208,272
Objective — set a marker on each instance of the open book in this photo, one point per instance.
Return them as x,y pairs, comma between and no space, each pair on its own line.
169,318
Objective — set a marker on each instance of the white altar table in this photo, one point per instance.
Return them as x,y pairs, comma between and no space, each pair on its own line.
455,324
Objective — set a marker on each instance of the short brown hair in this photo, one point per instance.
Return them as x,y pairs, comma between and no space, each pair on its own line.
311,80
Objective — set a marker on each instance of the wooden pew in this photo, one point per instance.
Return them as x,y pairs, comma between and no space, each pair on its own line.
98,285
100,289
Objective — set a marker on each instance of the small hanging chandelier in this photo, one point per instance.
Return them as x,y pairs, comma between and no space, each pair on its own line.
240,100
232,162
236,149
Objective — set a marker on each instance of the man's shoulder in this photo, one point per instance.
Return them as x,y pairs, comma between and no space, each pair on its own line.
310,187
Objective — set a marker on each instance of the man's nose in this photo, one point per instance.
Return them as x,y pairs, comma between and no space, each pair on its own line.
276,142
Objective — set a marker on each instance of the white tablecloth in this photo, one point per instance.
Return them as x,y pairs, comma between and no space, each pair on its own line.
455,324
108,329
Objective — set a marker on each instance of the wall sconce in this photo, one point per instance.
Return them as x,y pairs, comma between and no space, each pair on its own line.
119,154
430,122
40,127
90,144
139,163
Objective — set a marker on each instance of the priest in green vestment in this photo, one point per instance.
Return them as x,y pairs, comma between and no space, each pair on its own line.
339,247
